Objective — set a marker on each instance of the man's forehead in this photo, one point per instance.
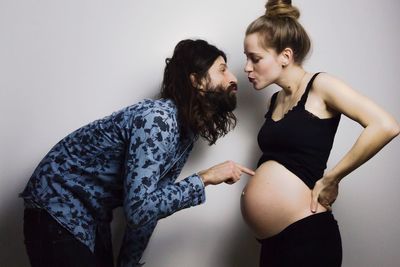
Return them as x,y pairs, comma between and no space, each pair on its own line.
220,61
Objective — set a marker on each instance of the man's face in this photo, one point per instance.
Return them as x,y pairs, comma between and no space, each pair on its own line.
219,75
221,87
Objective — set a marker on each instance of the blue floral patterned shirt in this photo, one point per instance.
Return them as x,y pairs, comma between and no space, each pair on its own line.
131,159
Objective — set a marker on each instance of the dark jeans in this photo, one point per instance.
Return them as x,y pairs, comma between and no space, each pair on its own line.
48,244
310,242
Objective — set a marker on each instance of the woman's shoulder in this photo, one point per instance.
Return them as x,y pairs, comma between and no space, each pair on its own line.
325,81
337,94
328,86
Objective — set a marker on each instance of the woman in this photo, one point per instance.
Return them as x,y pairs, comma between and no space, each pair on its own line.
288,202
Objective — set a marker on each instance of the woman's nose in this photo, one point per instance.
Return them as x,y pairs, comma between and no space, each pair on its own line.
248,67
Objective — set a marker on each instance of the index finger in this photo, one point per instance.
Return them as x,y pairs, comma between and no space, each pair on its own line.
314,202
245,170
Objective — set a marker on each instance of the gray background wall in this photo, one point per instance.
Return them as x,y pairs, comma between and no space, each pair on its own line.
66,63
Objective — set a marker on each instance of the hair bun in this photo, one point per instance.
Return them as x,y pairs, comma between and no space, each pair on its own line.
281,8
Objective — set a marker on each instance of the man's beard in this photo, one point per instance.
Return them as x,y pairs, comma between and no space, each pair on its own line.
221,100
217,116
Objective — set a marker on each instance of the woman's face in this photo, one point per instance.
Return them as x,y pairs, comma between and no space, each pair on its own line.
263,66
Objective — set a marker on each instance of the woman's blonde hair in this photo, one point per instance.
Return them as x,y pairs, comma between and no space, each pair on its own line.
279,28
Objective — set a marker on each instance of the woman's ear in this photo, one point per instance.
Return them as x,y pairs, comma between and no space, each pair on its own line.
286,57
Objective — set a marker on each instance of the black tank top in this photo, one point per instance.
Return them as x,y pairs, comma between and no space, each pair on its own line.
300,141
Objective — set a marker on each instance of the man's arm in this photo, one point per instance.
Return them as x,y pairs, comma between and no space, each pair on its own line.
151,149
134,243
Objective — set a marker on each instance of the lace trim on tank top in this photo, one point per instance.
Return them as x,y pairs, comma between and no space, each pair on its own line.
299,104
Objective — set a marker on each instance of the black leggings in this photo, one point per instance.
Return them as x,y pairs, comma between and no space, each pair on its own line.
313,241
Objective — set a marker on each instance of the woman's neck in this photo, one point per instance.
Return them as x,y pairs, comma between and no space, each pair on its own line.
292,79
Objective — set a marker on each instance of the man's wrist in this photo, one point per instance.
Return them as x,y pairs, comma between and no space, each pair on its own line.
204,177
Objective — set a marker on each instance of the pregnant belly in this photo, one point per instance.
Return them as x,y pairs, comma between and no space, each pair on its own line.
273,199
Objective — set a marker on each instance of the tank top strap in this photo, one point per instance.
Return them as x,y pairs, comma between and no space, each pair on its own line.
309,85
271,104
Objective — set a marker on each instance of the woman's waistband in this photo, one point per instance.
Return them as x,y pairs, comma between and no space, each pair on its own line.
308,226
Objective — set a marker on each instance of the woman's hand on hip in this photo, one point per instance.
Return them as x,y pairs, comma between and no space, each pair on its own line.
325,192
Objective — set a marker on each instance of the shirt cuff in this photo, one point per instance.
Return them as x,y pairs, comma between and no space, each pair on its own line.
197,189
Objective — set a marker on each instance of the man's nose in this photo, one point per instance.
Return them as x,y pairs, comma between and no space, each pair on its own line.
232,78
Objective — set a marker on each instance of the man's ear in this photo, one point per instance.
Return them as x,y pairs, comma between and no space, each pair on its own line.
195,82
286,56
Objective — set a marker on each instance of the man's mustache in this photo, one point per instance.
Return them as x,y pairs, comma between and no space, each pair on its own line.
232,87
219,89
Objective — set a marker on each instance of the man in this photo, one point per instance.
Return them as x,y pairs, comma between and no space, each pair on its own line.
131,159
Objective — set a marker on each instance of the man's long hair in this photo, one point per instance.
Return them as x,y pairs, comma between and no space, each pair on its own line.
195,113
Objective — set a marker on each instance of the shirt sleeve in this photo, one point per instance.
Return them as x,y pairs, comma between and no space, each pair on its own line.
134,243
151,149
